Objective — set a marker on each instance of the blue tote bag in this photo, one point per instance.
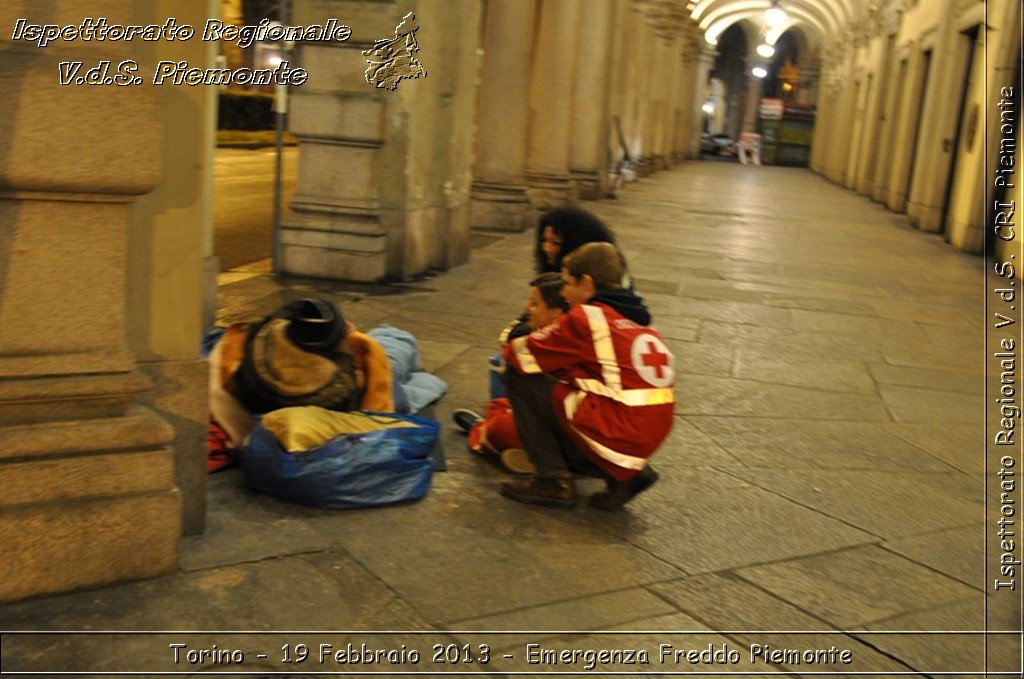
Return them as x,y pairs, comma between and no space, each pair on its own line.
351,470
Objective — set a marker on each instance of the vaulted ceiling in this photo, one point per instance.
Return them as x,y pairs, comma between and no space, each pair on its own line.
816,20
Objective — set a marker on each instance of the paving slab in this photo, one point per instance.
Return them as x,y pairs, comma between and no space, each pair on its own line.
231,598
815,444
884,503
855,587
753,616
917,355
709,395
467,551
827,375
957,552
850,325
773,343
908,404
597,612
732,312
702,358
935,378
245,527
708,520
951,652
687,447
961,446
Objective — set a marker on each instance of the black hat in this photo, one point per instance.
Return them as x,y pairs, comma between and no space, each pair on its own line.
315,324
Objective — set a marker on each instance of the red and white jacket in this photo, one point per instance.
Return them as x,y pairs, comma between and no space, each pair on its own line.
616,377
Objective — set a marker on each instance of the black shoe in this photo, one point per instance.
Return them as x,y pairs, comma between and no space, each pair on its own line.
558,491
621,492
466,419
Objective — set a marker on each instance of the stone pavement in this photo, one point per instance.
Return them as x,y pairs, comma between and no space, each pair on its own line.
824,473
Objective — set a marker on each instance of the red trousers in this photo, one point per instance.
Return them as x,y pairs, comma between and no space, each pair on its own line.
498,430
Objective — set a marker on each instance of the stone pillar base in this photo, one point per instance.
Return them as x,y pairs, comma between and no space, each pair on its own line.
895,200
649,165
548,191
179,397
589,184
56,547
338,244
87,501
965,237
927,218
499,206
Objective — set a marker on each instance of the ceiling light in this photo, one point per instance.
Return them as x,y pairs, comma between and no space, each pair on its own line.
774,15
766,51
759,72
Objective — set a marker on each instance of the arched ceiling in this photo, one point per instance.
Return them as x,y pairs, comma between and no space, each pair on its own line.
818,20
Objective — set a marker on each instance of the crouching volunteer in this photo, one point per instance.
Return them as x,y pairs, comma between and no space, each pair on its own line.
592,392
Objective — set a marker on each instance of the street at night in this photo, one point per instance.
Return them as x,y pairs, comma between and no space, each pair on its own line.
244,203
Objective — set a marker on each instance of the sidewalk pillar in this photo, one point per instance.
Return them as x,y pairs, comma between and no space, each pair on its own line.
934,150
588,152
499,198
384,176
705,61
554,68
87,473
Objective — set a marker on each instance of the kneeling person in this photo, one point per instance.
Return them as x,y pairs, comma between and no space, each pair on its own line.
592,392
495,433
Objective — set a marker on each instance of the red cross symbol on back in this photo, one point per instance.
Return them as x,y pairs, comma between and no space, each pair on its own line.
655,359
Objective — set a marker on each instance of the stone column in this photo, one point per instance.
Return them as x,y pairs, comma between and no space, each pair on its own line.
632,67
588,150
384,176
685,101
618,96
705,61
499,199
938,127
645,100
822,126
169,243
661,92
547,165
886,144
751,98
841,128
674,94
88,478
906,130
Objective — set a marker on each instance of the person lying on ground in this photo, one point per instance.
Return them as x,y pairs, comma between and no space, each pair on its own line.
592,392
305,353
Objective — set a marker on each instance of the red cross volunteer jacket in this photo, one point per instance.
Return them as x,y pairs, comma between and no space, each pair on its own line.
614,394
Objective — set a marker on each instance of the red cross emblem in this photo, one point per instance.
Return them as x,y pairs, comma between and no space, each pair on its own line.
653,361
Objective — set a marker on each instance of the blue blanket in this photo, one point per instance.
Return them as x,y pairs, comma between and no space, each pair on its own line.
414,389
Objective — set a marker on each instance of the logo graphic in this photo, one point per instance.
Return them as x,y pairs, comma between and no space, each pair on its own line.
391,60
653,361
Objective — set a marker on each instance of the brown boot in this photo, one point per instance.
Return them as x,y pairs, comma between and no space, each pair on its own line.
621,492
555,491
